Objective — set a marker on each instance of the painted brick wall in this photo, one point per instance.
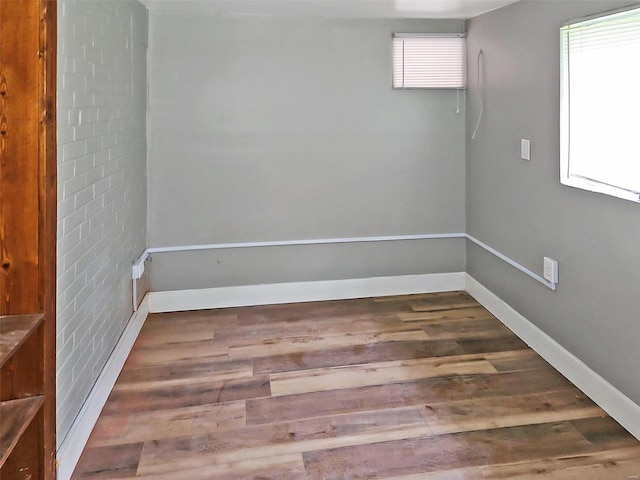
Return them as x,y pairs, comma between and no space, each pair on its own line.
102,47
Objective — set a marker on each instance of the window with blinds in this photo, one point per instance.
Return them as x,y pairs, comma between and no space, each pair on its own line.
600,101
429,61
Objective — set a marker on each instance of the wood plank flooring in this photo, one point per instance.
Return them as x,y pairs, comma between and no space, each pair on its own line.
418,387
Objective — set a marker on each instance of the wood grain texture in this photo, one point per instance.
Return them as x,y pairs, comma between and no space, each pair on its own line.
174,422
441,452
14,331
16,415
24,461
19,154
446,301
183,373
441,316
22,374
335,378
286,437
28,209
365,393
355,355
305,343
198,391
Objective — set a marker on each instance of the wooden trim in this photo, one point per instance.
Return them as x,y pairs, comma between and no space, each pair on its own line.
19,153
48,221
28,220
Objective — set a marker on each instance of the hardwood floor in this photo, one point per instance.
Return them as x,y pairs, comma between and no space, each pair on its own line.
417,387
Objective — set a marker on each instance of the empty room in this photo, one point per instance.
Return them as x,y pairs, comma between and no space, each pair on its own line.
319,239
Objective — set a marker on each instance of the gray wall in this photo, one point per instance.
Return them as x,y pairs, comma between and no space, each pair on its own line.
264,128
521,209
101,186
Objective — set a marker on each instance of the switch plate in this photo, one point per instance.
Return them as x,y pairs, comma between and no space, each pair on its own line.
525,149
550,270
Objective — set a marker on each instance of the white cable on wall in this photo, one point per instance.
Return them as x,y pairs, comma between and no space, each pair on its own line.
513,263
327,241
288,243
481,92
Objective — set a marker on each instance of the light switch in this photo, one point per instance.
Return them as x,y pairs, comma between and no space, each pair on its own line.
525,149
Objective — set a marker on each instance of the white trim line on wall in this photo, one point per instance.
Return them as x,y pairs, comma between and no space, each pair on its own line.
138,264
270,294
286,243
511,262
619,406
312,241
75,441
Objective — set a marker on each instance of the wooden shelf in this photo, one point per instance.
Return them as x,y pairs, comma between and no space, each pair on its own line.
14,330
16,416
21,411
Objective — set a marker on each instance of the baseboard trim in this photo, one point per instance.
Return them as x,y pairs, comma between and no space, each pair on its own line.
615,403
268,294
75,441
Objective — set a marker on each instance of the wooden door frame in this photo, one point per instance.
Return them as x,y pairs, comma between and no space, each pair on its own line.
48,221
28,164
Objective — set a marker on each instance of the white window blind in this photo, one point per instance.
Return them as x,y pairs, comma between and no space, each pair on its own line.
429,61
600,104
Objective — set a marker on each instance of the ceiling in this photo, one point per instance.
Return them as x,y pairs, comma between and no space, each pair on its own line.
460,9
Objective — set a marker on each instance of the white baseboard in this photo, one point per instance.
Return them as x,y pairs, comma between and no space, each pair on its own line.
268,294
609,398
72,446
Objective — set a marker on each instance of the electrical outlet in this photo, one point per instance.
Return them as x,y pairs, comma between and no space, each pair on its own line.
550,270
525,149
137,270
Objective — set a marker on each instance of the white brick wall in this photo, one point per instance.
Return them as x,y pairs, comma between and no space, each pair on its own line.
102,47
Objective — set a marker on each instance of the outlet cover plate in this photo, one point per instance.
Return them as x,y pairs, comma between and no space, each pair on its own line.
525,149
550,270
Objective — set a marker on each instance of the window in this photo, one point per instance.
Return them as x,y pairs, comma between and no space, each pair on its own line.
429,61
600,104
